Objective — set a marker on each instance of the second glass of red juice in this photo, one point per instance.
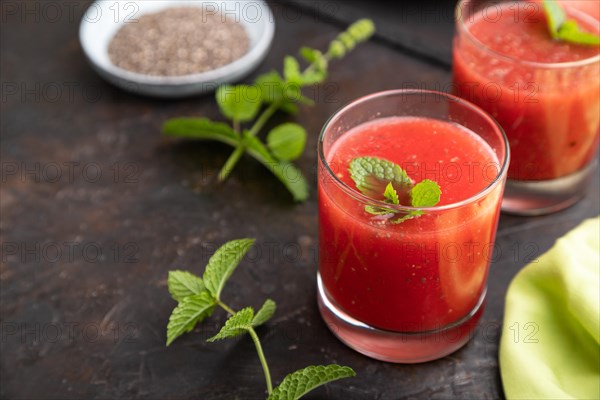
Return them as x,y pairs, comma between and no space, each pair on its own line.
411,291
544,92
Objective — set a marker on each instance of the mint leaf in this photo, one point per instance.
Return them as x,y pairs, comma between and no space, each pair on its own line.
240,102
201,128
273,89
188,313
564,29
297,384
222,264
555,15
390,194
361,30
183,284
291,70
287,141
237,324
425,194
286,172
378,210
371,174
310,55
265,313
570,32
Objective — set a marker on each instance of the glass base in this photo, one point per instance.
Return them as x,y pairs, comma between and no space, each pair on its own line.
548,196
398,347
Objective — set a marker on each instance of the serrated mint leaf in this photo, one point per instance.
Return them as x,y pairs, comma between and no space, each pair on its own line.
201,128
190,311
265,313
390,194
183,284
372,174
291,70
222,264
287,141
297,384
240,102
237,324
285,171
425,194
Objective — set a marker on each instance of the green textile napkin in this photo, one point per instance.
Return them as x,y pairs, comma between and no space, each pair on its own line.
550,345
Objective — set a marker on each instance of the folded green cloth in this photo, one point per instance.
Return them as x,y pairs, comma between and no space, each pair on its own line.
550,345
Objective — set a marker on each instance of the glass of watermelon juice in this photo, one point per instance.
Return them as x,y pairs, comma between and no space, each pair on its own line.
544,92
409,291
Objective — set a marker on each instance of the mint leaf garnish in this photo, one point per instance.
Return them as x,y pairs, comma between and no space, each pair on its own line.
369,175
188,313
265,313
287,141
425,194
183,284
237,324
297,384
379,210
564,29
555,15
570,32
222,264
390,194
372,174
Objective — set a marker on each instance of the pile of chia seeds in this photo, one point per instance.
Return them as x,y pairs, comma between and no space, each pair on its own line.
178,41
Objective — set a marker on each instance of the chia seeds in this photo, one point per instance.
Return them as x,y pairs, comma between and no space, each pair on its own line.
178,41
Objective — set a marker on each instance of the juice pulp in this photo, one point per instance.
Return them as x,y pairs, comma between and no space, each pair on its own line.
551,115
424,273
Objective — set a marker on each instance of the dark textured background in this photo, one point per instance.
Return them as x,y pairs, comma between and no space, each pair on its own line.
81,326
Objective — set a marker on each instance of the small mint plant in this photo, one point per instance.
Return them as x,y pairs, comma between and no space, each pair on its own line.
270,92
198,297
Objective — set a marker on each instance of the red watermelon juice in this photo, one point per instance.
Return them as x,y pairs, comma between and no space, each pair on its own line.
545,93
428,273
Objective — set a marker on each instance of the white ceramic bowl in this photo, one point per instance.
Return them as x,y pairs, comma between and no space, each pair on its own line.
103,19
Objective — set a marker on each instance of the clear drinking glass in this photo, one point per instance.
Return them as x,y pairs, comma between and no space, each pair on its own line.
412,291
544,93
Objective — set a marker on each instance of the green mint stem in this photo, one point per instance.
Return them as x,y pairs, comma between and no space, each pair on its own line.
262,358
225,307
264,117
259,350
231,161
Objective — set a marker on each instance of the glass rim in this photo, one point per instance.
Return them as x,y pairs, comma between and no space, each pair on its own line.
357,195
462,27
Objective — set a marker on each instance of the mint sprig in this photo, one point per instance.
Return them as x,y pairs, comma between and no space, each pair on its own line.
197,299
564,29
370,174
270,93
